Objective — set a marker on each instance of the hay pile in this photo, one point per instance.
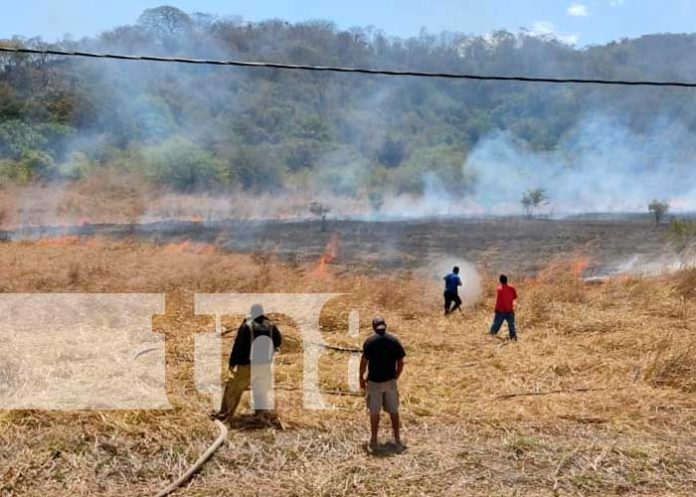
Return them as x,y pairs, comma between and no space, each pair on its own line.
595,399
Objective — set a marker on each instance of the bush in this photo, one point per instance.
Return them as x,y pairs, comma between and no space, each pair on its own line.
254,170
183,165
29,167
682,232
78,166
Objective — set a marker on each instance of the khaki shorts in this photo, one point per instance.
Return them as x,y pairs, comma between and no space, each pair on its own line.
383,395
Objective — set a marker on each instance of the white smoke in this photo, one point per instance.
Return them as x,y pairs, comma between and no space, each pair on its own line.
470,291
600,166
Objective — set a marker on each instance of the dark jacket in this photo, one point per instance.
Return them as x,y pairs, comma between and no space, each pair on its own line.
241,350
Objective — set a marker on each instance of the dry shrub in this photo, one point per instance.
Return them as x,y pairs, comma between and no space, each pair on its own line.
560,282
674,366
537,306
685,283
106,196
562,278
404,292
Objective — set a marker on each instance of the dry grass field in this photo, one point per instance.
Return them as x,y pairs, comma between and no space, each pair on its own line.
597,398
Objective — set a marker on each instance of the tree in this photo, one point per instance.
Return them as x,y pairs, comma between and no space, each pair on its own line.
532,199
165,22
183,165
392,152
320,210
376,198
659,209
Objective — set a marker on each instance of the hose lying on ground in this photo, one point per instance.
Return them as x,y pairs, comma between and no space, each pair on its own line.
199,463
335,348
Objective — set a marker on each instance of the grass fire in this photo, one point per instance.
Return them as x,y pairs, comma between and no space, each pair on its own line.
293,258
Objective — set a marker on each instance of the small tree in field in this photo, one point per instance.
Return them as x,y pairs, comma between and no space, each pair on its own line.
376,199
320,210
532,199
659,209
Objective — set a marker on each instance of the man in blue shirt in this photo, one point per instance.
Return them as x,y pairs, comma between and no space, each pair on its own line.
452,284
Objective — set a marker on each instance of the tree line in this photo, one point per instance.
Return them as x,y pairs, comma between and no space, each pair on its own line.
191,127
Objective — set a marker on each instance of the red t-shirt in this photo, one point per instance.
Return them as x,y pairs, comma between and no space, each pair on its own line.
506,296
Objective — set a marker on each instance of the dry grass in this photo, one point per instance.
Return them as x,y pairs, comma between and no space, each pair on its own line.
112,196
605,372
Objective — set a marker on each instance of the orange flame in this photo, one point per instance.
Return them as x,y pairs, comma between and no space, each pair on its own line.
330,253
575,265
578,265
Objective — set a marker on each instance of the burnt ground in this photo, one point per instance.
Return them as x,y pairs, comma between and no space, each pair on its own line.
518,246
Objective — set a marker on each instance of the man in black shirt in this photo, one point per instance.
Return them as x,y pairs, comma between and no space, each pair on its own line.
257,338
383,358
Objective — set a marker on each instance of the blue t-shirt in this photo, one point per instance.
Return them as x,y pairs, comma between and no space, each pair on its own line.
452,282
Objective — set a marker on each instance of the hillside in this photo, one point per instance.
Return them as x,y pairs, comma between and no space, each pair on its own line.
193,128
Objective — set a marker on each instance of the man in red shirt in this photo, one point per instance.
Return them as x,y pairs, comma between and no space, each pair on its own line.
505,308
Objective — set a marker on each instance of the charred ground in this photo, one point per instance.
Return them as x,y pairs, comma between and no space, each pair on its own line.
515,245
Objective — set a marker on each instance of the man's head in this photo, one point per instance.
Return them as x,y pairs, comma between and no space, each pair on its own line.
256,311
455,270
503,279
379,325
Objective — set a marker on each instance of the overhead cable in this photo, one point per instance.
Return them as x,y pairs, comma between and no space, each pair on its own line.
351,70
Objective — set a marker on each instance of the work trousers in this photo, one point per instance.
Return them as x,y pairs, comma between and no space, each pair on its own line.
452,297
240,380
237,383
498,320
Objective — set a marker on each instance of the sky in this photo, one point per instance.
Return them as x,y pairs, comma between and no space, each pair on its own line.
578,22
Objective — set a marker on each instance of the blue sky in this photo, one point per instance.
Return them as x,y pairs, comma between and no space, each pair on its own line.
581,22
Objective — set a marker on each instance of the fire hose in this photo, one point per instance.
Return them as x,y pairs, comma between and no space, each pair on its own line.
199,463
222,437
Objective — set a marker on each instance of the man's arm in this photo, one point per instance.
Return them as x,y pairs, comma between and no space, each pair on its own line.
363,368
399,367
277,337
241,343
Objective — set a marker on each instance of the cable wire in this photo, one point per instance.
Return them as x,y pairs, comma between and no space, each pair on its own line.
353,70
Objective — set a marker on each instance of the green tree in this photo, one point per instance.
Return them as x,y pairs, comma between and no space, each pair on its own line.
320,210
392,152
532,199
183,165
658,209
165,21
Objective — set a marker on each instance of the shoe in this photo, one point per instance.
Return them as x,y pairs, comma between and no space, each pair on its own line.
215,415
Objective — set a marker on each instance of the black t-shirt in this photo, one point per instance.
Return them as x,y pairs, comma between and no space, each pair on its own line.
382,353
241,351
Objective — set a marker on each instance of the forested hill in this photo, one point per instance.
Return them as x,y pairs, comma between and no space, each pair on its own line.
218,127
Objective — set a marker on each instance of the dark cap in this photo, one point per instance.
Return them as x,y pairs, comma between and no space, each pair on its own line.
256,311
378,324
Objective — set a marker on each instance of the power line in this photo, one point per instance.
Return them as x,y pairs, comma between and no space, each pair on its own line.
352,70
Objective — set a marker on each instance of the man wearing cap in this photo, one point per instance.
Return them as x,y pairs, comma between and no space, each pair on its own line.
250,363
383,359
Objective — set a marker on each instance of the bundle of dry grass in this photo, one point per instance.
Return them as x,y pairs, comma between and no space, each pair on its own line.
675,364
593,400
